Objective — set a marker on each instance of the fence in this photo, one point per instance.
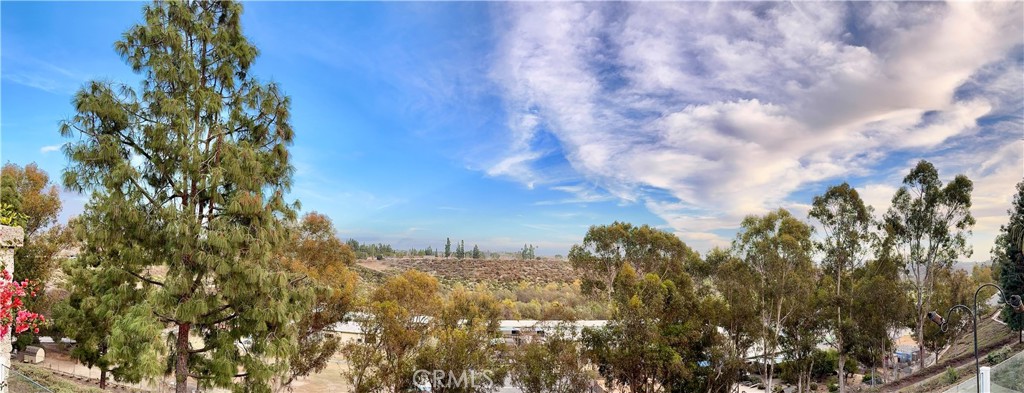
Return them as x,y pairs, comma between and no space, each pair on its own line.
1006,377
20,383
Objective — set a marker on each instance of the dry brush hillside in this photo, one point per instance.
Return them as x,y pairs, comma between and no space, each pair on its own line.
480,270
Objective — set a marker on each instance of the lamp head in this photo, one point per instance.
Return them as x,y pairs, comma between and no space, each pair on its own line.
935,317
1016,303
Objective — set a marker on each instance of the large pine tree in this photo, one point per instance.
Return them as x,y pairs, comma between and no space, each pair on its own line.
188,176
1007,256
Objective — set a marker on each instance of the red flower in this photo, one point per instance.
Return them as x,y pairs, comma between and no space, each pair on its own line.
12,311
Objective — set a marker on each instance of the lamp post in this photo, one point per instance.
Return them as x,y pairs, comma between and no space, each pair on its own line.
1014,302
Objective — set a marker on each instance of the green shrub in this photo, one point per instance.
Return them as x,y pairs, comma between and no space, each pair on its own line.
999,355
951,375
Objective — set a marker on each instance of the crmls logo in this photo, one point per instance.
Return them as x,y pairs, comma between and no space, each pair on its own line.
427,380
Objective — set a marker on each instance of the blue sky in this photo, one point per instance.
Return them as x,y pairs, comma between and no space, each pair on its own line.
512,123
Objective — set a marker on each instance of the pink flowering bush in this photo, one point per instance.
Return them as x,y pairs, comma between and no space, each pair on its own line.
12,306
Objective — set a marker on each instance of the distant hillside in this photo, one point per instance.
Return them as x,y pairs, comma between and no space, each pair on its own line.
969,266
479,270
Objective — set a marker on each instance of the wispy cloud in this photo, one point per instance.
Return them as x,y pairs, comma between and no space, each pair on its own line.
36,73
729,109
581,193
49,148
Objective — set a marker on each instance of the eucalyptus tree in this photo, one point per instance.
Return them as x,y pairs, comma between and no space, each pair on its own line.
736,285
466,343
929,222
846,222
606,248
188,175
554,365
877,286
660,337
398,321
778,247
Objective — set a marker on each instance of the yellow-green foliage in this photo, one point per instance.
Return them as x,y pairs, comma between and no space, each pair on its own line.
550,301
10,217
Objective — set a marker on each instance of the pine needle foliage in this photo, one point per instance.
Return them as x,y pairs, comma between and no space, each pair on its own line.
187,176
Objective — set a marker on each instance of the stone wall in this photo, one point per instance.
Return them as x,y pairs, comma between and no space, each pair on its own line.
11,238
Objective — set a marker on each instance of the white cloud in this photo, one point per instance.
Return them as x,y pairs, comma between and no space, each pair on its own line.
731,108
49,148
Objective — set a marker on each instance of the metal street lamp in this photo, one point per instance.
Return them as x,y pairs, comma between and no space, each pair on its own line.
1014,302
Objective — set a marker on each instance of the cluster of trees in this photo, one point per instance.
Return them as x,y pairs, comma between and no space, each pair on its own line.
461,253
365,250
528,252
193,264
371,250
408,324
681,322
527,300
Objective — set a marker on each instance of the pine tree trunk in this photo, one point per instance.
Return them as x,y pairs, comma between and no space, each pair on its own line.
181,361
103,370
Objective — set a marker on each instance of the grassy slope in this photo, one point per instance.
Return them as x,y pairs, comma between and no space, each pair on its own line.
47,379
991,336
989,332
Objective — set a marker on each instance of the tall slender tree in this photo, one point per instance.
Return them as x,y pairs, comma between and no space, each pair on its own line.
778,247
447,247
929,222
878,285
736,283
846,221
188,176
1008,256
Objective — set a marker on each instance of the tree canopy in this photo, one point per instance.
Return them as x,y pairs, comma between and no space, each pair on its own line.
187,176
928,223
1008,257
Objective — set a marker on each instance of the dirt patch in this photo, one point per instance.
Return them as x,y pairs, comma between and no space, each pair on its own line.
374,265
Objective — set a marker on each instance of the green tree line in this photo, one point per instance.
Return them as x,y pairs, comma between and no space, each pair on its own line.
194,264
